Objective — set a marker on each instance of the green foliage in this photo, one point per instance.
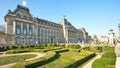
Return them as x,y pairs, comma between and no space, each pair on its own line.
51,45
16,51
106,47
74,46
95,48
61,45
92,48
13,59
30,50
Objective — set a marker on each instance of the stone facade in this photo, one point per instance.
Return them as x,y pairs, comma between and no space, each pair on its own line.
6,39
27,29
111,37
103,39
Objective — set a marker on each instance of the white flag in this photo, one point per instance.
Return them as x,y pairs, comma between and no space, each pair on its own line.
24,3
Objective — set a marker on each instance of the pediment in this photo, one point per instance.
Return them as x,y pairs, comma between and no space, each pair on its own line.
23,12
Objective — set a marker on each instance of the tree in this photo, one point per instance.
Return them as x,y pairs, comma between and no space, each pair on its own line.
95,38
2,28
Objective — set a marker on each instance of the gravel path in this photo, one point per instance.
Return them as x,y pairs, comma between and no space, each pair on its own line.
89,64
9,65
1,53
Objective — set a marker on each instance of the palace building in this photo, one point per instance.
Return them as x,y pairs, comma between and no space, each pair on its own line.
21,28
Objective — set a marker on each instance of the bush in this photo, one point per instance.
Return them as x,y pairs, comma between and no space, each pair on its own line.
74,46
16,51
61,45
106,47
95,48
92,48
62,50
51,45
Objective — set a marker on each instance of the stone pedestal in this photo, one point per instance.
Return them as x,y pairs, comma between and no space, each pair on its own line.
117,52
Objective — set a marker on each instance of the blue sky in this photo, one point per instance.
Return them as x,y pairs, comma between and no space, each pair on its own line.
96,16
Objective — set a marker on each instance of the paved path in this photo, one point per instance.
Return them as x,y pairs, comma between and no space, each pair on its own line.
1,53
89,64
9,65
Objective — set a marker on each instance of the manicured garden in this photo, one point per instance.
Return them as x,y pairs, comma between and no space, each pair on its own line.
107,60
61,55
71,58
16,58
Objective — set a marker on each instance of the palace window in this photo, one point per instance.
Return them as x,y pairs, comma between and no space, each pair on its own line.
30,29
24,28
25,41
18,40
18,28
30,40
38,31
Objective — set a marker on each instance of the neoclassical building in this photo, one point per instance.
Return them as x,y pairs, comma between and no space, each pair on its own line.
22,28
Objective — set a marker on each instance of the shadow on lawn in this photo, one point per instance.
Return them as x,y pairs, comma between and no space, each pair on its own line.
81,61
43,63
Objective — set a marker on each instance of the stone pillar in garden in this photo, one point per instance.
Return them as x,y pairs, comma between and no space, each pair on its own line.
117,52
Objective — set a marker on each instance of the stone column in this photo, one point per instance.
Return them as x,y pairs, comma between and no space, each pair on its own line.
21,32
33,34
117,52
14,27
27,34
67,40
21,28
27,29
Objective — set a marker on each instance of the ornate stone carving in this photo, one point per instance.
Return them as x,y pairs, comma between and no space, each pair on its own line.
9,11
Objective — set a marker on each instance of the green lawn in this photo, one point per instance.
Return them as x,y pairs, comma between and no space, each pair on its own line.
13,59
37,62
67,58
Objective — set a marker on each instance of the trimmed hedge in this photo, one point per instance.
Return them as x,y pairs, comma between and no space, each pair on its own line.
107,61
103,63
37,62
29,50
61,50
50,56
92,48
79,62
74,46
